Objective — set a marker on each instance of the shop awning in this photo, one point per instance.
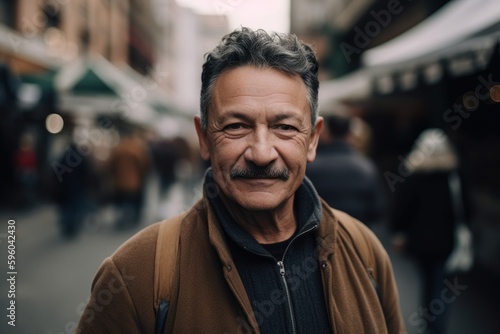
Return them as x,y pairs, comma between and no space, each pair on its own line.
94,85
30,49
460,38
453,23
93,75
351,87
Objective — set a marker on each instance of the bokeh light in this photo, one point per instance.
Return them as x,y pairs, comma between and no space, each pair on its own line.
54,123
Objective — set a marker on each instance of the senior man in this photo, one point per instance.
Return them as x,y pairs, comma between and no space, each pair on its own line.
260,252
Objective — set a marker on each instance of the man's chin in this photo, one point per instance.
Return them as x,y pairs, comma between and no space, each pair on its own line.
258,202
264,207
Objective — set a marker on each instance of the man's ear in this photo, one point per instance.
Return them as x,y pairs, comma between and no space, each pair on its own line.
202,138
313,140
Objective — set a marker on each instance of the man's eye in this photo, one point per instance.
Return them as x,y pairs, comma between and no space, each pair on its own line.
286,127
234,126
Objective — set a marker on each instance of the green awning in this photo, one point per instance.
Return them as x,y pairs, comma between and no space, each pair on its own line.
90,83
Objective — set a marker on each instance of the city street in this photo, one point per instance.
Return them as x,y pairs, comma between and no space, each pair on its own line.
54,277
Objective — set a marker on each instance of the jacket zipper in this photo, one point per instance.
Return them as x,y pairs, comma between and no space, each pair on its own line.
288,298
281,266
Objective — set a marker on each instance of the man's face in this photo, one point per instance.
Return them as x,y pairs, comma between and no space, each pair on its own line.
259,136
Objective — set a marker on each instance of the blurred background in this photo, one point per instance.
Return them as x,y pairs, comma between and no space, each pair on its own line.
97,99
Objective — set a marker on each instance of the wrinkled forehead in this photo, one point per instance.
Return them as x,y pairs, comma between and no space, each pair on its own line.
248,87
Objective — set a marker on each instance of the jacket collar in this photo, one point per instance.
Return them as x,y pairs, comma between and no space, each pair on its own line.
307,206
327,234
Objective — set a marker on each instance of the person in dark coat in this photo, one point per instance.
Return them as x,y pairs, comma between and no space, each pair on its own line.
345,178
74,178
423,219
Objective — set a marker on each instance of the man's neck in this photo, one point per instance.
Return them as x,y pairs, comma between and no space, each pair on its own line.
268,226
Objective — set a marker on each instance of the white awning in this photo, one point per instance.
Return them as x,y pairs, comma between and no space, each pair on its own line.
353,86
31,49
455,22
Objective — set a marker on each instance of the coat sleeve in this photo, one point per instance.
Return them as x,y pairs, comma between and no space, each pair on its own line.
110,308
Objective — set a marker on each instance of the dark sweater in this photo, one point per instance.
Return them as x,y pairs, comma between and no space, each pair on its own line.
260,271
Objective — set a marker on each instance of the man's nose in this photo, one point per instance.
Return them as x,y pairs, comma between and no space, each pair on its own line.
261,148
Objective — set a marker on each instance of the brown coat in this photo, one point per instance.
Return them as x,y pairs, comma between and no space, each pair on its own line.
210,296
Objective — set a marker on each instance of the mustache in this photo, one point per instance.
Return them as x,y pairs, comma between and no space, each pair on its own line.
260,172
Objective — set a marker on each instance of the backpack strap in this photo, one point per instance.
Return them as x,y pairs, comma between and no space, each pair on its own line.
360,245
166,263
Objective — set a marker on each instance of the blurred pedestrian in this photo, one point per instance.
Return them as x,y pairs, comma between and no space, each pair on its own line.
73,181
423,218
25,165
129,166
166,155
345,178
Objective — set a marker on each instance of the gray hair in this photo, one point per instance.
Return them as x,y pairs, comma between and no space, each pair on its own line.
283,52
